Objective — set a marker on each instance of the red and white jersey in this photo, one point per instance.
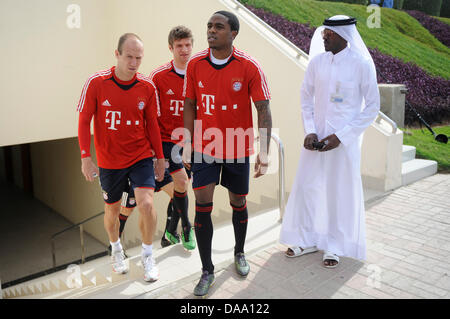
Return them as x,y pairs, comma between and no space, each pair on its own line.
125,125
170,91
223,94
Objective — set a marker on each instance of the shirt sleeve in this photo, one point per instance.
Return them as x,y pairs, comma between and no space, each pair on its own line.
307,100
189,83
258,88
369,90
154,79
152,127
87,106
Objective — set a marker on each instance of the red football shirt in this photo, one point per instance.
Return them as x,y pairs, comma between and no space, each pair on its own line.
170,91
125,125
223,94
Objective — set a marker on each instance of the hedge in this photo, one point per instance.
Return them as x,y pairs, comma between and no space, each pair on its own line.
431,7
429,95
439,29
445,9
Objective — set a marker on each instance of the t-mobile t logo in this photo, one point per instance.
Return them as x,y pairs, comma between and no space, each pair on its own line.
207,102
113,120
177,106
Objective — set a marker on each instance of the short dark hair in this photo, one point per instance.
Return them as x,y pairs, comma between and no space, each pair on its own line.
179,32
232,19
123,38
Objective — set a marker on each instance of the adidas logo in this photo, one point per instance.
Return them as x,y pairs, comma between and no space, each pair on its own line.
106,103
200,84
170,92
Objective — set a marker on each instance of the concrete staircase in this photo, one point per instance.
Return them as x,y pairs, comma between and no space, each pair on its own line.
415,169
176,265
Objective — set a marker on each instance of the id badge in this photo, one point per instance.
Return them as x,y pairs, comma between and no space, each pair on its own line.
336,98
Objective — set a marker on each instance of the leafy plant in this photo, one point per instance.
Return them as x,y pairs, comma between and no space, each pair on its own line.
429,95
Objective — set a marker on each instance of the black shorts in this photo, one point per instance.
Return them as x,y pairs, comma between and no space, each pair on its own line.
232,174
173,155
114,181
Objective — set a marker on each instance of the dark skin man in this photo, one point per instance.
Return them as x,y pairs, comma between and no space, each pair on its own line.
333,43
220,40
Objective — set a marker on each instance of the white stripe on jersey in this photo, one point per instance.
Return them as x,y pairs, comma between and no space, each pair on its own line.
86,86
261,73
160,69
204,52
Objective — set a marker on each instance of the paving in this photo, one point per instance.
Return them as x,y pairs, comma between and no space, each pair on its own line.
408,249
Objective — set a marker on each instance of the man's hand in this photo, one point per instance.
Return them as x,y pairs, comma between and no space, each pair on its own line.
309,140
187,154
160,167
261,165
331,142
89,169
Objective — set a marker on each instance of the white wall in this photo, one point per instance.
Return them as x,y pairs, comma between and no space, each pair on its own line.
45,64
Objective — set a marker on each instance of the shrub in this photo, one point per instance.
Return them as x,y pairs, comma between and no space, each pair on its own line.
398,4
445,9
439,29
429,95
431,7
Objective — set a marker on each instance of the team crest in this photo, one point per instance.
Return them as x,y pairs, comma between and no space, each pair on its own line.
141,105
237,86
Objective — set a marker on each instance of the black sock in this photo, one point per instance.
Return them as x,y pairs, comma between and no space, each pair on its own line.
204,234
240,221
180,206
122,220
171,216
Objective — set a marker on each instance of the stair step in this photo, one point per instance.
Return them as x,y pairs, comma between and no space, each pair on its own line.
417,169
408,153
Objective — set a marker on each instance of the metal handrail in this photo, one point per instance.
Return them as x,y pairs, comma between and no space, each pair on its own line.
239,6
80,224
281,174
383,116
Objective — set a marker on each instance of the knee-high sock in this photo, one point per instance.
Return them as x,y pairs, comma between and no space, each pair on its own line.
122,221
180,208
240,222
204,234
170,217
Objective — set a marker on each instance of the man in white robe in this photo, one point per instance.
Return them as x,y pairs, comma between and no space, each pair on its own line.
339,100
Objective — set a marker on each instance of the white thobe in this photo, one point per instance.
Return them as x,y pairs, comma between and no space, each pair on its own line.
325,208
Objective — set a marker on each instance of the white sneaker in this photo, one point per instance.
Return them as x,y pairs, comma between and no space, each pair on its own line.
151,272
118,262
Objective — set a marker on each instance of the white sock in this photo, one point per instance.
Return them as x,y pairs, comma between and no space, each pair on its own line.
116,246
147,250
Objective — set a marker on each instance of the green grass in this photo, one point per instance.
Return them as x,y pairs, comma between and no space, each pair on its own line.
443,19
428,148
400,34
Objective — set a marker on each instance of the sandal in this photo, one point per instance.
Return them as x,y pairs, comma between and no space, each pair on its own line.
330,257
298,251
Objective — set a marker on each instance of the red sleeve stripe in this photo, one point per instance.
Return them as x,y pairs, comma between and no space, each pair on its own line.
86,86
198,54
146,79
264,86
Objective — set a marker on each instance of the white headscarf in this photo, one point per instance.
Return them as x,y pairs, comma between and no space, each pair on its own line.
347,30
